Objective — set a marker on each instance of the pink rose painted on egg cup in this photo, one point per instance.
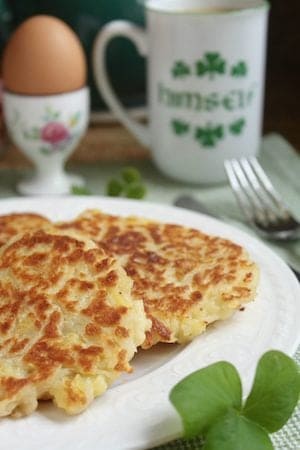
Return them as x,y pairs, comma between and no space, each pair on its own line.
47,129
55,133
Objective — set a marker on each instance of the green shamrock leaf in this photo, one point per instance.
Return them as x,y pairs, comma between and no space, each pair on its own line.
275,391
209,402
210,135
239,70
205,395
211,64
237,126
180,127
235,432
180,69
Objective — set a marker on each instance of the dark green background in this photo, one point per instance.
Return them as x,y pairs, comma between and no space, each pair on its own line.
87,17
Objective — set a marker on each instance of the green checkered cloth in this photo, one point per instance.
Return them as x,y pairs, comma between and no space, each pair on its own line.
288,438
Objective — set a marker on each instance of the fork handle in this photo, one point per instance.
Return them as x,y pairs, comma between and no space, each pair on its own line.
188,202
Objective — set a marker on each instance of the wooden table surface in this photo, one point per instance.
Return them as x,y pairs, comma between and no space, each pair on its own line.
109,142
112,142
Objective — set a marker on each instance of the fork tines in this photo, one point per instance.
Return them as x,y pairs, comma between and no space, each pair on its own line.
255,193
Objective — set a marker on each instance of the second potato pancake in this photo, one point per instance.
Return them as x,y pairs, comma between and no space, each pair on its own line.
15,223
186,279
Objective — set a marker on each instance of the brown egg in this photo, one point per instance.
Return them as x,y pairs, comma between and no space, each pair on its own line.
43,56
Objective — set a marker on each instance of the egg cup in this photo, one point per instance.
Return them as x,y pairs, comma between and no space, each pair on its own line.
47,129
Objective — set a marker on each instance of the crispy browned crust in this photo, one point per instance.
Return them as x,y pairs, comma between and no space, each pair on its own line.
67,322
15,223
186,279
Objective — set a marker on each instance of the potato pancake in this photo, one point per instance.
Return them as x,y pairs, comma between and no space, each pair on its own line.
15,223
68,323
186,279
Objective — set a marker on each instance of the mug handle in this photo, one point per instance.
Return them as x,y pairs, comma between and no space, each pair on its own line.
138,36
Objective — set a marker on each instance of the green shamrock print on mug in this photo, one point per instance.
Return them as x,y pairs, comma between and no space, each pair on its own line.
208,135
210,65
239,70
179,127
180,69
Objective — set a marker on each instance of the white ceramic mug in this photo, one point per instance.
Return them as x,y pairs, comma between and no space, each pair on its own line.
206,64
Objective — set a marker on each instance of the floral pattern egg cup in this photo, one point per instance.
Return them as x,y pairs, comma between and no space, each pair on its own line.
47,129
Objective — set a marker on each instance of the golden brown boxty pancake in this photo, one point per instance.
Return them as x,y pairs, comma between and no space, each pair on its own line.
68,324
13,224
186,279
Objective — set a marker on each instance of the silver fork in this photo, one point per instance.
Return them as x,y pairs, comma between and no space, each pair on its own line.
261,204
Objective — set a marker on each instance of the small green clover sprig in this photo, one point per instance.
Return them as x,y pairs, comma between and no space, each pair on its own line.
210,404
80,190
128,185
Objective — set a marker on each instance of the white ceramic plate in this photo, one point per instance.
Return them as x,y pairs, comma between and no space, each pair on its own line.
135,413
